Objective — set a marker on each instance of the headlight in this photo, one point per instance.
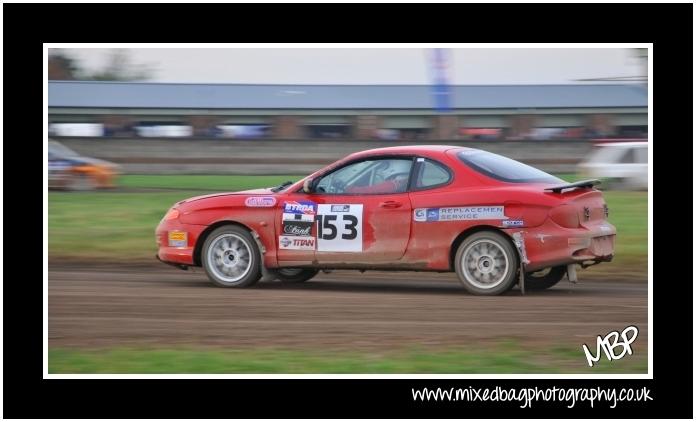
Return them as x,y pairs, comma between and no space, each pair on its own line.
172,214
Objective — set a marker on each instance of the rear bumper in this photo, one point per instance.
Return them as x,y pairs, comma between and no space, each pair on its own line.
550,245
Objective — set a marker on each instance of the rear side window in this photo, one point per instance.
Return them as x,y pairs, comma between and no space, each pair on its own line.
431,174
503,168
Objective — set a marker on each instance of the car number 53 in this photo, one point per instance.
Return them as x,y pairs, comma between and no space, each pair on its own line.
339,228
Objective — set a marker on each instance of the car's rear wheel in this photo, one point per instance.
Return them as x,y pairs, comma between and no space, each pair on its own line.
231,257
486,263
544,279
295,275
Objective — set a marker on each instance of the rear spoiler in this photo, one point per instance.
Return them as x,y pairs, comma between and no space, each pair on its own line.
581,184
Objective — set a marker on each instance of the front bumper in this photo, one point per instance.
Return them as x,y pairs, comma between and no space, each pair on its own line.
173,264
176,253
550,245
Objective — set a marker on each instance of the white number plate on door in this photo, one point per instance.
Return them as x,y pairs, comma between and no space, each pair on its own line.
339,227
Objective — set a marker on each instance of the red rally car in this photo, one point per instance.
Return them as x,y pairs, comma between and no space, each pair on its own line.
494,221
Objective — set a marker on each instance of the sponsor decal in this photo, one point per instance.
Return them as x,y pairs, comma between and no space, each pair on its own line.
475,212
513,223
178,239
297,228
298,217
296,242
340,208
260,201
300,207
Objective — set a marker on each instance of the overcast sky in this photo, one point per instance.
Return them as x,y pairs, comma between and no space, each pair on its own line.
372,66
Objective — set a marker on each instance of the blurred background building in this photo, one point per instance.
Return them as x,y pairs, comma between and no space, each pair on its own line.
118,113
391,112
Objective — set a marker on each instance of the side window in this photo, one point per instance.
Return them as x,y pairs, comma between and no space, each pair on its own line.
377,176
431,174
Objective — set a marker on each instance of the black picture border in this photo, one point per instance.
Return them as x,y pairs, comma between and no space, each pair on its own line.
26,26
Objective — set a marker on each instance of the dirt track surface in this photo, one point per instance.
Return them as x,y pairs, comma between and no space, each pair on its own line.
163,307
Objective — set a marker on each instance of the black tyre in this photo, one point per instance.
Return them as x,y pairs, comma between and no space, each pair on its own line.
486,263
544,279
231,258
295,275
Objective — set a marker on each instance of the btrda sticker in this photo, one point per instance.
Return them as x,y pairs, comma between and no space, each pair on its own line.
300,207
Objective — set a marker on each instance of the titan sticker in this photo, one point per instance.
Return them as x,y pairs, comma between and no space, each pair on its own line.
305,243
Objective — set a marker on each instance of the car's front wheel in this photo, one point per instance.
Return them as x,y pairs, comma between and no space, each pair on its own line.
486,263
295,275
231,257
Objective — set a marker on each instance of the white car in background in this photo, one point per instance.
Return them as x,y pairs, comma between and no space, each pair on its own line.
623,165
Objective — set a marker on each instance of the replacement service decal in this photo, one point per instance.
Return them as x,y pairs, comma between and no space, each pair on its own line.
471,212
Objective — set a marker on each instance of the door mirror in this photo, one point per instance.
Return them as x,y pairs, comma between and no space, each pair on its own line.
307,186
